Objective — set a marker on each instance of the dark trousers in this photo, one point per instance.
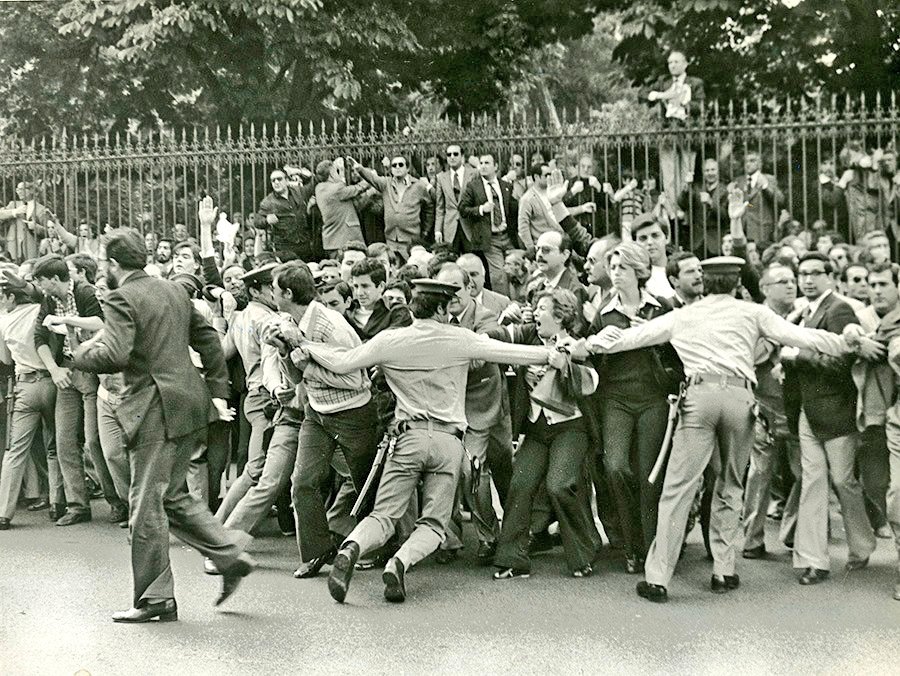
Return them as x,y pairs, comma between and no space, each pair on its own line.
356,433
160,502
552,455
874,470
632,437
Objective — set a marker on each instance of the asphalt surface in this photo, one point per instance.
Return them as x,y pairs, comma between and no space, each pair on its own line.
58,587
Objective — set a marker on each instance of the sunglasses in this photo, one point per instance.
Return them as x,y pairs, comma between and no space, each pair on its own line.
857,280
277,178
398,164
451,154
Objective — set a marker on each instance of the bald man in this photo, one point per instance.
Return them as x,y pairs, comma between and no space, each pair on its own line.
493,302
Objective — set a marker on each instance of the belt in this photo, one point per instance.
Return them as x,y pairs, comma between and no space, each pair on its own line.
720,379
431,426
32,376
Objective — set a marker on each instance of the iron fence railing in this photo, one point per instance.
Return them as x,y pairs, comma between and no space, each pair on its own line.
151,179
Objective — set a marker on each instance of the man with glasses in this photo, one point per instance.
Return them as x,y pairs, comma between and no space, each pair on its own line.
774,444
408,205
448,192
283,214
488,210
516,176
827,430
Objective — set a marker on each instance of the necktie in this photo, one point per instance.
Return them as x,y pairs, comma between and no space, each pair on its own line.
456,187
496,215
454,320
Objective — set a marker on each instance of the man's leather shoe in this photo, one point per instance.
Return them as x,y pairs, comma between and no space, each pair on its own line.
38,505
118,513
232,577
445,556
652,592
56,511
4,524
210,568
486,553
394,585
813,576
755,552
342,570
165,611
719,584
884,532
858,564
71,518
311,568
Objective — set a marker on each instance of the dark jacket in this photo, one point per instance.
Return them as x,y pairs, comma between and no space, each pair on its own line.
292,228
822,386
476,226
88,306
150,323
381,319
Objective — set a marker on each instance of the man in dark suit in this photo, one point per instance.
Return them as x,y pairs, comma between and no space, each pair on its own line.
764,199
164,411
680,97
824,388
488,437
448,192
489,220
706,210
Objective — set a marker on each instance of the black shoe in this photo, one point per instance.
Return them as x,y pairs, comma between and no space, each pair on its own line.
445,556
719,584
93,490
486,553
813,576
38,505
857,564
232,577
342,570
311,568
394,586
540,542
57,511
755,552
164,611
652,592
71,518
118,513
511,573
4,524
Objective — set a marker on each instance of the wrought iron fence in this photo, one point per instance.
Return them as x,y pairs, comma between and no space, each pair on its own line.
152,179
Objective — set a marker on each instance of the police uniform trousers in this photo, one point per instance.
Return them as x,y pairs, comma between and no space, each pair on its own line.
34,405
433,456
160,503
712,411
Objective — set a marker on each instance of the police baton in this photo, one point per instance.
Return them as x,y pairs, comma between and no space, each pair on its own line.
674,404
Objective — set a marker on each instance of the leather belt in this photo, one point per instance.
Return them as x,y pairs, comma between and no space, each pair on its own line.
431,426
32,376
720,379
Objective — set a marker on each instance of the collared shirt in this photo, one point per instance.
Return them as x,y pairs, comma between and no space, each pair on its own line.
245,331
813,307
615,303
17,334
658,284
460,176
426,365
553,282
498,216
718,334
754,178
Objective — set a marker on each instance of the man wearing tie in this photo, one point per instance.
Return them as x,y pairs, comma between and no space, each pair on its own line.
763,196
486,209
450,184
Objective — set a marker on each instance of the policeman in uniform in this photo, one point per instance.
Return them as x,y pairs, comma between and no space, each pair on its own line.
426,365
715,338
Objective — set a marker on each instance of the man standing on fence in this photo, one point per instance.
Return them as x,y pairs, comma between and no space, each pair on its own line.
282,213
680,97
29,223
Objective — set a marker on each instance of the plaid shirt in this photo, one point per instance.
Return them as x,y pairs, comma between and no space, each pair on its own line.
328,392
67,308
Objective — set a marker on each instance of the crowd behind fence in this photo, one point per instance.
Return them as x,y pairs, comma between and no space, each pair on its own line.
151,179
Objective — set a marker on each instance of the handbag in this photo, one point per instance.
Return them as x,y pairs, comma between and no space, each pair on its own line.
558,388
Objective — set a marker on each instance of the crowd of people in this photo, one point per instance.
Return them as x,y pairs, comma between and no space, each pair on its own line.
487,361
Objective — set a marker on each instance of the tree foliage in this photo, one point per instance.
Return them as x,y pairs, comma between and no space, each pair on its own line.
750,48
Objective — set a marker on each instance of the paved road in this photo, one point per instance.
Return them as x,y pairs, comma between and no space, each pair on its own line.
58,587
